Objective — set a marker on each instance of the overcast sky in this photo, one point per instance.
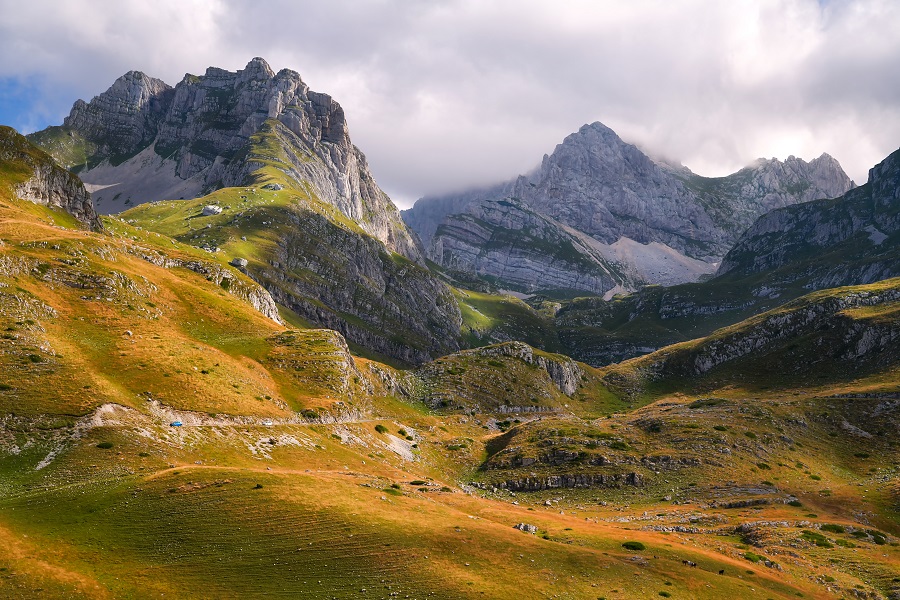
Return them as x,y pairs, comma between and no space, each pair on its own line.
447,94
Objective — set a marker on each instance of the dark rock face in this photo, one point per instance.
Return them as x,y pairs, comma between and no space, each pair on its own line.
324,273
45,182
599,186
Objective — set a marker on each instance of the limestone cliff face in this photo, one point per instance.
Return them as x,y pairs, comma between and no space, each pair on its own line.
507,242
43,181
848,240
142,140
677,225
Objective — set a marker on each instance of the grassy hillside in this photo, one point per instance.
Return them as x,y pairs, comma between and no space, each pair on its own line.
313,259
301,470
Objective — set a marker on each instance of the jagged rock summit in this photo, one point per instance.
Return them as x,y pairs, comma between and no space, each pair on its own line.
636,219
848,240
142,140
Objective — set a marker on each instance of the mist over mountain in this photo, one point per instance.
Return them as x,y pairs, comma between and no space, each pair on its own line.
637,220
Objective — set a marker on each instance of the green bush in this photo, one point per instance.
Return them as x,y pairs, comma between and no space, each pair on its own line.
637,546
418,482
795,503
704,402
830,527
381,428
105,445
753,557
721,427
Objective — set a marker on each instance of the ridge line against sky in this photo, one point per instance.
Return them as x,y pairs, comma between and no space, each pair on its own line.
447,95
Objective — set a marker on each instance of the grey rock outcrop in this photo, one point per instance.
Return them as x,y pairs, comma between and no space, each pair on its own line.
599,186
248,291
572,480
45,182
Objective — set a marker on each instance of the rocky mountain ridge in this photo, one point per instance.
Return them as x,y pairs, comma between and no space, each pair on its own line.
676,224
864,223
142,140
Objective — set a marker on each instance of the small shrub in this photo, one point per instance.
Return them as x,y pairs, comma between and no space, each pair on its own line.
446,489
402,432
307,413
637,546
815,477
721,428
861,455
105,445
750,435
816,538
258,486
396,486
143,454
832,528
392,491
753,557
35,358
795,503
763,466
665,594
418,482
381,428
5,386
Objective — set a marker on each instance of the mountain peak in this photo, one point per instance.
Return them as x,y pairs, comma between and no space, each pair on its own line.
259,69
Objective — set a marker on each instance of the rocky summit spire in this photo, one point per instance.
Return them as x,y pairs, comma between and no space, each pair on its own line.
125,116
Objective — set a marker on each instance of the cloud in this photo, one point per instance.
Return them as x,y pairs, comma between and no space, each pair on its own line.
448,94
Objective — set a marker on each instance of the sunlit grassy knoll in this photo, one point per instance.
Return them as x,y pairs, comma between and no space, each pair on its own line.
489,318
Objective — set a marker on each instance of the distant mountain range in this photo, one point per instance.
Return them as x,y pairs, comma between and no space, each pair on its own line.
600,216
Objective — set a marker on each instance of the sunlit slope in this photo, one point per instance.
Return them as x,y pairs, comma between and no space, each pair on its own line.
313,259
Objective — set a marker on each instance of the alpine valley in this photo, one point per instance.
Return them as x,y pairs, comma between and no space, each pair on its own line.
230,367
